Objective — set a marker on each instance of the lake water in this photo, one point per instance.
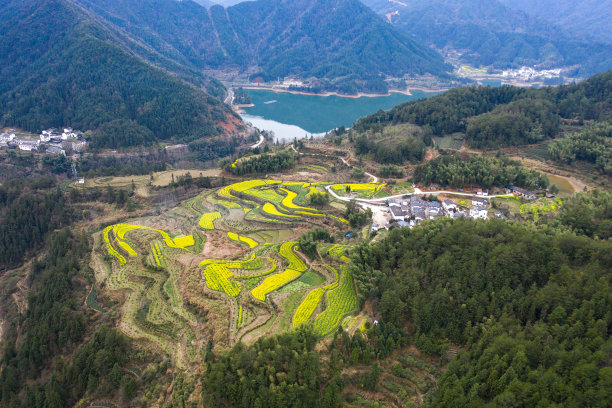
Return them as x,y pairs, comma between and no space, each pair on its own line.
292,116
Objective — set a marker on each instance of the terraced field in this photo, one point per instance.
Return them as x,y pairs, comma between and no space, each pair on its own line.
224,266
364,190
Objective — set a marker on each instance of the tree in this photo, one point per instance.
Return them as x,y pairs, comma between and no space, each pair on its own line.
130,387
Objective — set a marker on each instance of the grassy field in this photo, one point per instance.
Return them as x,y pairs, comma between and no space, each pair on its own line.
448,142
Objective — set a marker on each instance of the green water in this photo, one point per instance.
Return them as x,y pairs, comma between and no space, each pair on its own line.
293,114
562,183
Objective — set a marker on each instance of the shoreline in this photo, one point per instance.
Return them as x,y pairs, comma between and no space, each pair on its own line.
359,95
239,108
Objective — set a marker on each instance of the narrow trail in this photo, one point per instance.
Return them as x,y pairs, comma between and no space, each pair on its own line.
373,177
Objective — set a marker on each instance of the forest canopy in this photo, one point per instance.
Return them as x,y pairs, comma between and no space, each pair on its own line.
480,171
530,306
592,144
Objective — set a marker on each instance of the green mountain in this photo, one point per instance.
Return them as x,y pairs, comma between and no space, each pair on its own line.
60,67
340,42
487,33
586,18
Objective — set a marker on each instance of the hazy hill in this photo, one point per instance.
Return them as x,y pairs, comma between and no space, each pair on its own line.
340,41
58,67
488,33
205,3
588,18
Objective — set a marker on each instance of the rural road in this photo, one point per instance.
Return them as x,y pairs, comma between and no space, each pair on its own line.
379,201
261,140
373,177
230,97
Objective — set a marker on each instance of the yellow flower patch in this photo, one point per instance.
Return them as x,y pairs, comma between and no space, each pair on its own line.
271,283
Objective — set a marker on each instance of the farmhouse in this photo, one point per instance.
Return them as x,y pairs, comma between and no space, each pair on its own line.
28,145
479,212
55,150
449,205
434,209
398,213
457,215
479,202
69,133
6,137
526,194
418,215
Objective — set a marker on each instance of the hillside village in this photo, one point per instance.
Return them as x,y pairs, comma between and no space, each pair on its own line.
415,209
50,141
411,209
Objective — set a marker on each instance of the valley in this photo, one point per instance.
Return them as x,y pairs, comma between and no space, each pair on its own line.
298,203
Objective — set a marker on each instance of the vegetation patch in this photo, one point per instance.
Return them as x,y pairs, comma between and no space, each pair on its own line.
274,282
251,243
206,221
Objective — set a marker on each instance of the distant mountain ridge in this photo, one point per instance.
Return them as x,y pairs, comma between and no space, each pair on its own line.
58,67
341,42
588,18
488,33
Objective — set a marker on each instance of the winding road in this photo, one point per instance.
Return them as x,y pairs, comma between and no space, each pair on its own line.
261,140
230,97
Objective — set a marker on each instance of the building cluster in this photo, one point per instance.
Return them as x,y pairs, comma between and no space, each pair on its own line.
411,210
50,140
530,74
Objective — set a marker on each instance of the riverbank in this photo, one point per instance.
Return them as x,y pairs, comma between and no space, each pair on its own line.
357,96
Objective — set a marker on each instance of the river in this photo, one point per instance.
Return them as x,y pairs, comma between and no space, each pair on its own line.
292,116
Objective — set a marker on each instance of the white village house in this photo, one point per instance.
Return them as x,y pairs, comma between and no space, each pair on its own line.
69,133
449,206
479,212
28,145
479,202
7,137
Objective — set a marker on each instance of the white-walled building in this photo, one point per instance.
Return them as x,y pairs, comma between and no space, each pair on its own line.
449,206
479,212
28,145
6,137
479,202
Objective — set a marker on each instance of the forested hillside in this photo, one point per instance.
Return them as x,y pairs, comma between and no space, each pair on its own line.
488,33
504,116
341,42
60,68
529,307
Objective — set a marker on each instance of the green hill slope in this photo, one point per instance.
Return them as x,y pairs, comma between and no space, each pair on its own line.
61,68
341,42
